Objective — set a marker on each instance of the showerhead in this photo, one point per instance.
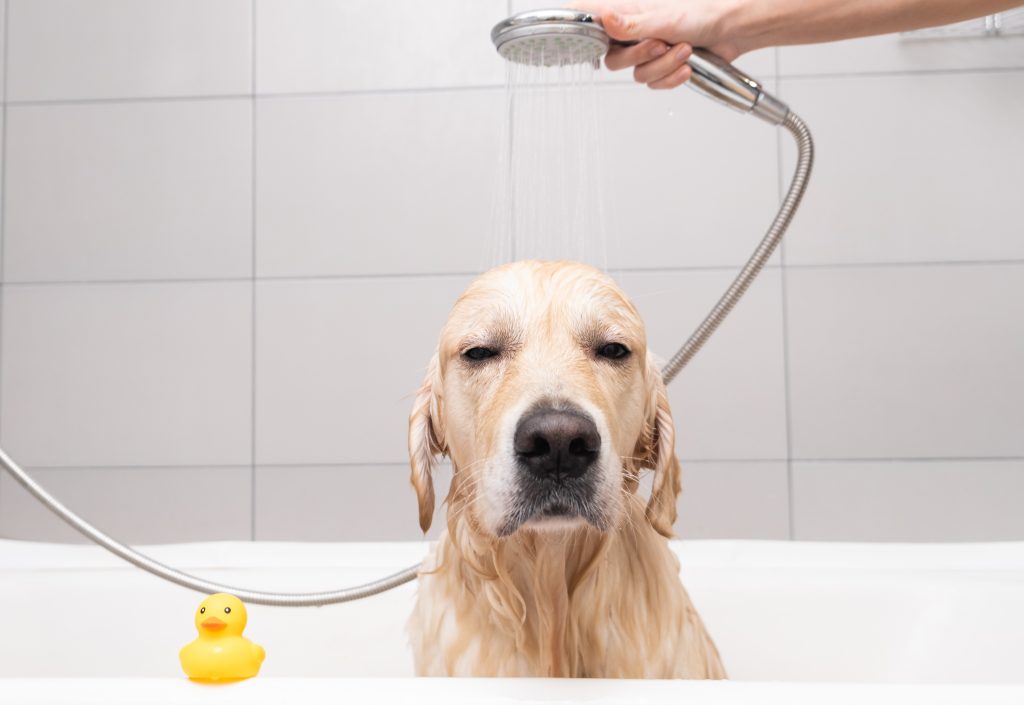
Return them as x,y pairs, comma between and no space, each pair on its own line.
550,38
565,37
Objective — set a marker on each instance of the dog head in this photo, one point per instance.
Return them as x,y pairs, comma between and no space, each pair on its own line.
544,396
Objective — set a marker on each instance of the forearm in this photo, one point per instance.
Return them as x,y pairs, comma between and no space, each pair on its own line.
731,28
763,23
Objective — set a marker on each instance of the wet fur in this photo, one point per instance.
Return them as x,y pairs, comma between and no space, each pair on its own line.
576,601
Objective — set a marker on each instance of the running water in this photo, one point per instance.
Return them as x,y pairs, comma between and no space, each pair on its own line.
550,197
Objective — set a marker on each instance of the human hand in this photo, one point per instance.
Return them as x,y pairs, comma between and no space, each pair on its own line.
666,31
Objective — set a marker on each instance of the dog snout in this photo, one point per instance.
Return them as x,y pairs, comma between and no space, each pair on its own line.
556,444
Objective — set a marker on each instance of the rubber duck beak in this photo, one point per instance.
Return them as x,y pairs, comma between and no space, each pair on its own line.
213,624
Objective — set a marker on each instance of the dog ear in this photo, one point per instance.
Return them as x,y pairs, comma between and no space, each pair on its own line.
659,453
426,441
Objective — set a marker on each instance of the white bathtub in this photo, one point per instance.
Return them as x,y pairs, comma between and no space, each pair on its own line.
795,622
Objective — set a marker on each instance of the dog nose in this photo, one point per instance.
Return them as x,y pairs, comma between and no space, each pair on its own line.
557,444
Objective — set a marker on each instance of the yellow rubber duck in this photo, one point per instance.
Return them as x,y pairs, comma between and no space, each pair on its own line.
220,652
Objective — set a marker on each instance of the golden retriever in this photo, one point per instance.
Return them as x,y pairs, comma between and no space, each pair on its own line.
544,396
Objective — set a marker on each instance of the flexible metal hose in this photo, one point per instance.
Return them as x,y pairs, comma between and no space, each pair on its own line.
329,597
192,582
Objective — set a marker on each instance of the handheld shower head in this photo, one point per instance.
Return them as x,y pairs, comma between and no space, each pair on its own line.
564,37
550,38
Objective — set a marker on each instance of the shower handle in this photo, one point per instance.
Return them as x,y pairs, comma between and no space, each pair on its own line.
716,78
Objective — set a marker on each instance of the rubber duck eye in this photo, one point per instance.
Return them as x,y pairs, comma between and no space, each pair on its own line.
227,610
202,610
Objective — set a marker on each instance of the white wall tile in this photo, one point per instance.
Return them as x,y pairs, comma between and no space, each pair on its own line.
732,500
761,65
376,183
377,503
77,49
128,191
338,363
342,503
896,53
688,182
346,45
729,402
910,168
904,362
909,501
127,374
150,505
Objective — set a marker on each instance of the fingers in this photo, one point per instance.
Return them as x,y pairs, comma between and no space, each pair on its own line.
657,63
677,78
630,26
619,57
666,68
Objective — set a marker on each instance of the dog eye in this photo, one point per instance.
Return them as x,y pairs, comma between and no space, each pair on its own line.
613,351
478,354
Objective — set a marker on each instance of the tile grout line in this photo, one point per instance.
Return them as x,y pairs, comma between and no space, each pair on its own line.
241,279
784,295
3,194
898,265
787,403
284,95
438,275
401,463
507,148
915,459
484,87
904,73
252,303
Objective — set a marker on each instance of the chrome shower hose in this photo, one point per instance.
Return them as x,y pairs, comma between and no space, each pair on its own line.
329,597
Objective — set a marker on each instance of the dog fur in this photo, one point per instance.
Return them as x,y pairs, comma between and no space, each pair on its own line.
575,597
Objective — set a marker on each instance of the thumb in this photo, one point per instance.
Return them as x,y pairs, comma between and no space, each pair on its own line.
629,26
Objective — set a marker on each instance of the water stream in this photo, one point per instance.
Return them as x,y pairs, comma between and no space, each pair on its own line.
550,200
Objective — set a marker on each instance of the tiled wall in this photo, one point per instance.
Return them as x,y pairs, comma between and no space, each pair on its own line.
232,228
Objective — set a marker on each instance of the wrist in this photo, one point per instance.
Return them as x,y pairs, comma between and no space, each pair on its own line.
747,24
